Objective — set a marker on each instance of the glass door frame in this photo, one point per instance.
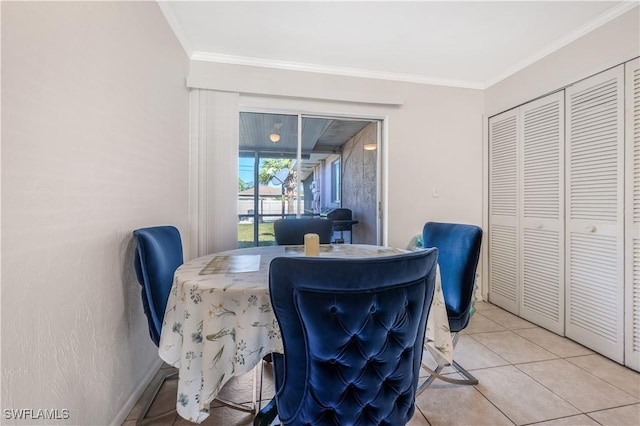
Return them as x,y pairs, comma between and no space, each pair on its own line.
381,162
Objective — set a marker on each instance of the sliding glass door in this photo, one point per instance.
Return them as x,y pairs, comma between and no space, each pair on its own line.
296,165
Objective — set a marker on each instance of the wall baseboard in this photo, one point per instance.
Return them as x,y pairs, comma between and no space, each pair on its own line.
136,394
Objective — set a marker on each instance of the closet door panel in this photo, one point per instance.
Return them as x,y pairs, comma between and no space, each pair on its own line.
632,225
594,216
503,211
542,217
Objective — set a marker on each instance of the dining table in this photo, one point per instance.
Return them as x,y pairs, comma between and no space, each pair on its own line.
219,322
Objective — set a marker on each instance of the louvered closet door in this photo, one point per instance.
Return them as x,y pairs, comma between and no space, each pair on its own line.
632,281
542,217
594,226
503,211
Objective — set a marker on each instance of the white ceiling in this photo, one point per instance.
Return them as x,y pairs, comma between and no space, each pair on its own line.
464,44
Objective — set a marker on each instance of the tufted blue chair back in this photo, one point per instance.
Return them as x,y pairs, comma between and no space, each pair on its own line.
291,231
158,255
353,332
459,249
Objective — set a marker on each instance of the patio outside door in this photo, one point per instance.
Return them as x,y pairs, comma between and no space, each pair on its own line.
295,165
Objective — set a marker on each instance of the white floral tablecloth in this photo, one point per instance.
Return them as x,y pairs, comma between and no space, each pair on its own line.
219,323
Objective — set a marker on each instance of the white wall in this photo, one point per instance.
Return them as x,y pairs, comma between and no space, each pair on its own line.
94,145
434,134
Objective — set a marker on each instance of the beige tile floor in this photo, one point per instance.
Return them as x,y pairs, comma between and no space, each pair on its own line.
527,375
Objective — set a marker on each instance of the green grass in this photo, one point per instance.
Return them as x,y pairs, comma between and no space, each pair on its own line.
265,234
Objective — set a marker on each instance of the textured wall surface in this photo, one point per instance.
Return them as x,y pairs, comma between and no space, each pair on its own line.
359,184
94,145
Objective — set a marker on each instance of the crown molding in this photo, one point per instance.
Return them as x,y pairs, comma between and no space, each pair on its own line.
609,15
324,69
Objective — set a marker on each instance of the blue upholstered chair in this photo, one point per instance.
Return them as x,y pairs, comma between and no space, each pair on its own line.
291,231
458,253
353,332
158,255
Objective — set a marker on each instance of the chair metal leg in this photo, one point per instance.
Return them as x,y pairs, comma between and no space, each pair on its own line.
253,408
433,374
469,379
268,415
141,418
237,406
261,383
